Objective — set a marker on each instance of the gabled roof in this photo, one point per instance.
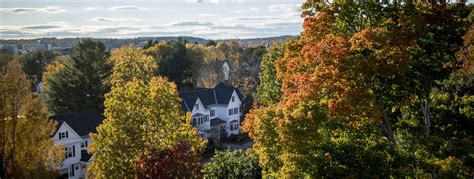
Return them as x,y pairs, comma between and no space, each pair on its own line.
209,96
216,121
83,122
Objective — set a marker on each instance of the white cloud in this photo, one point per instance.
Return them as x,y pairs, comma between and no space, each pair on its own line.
194,1
250,18
90,8
285,8
254,9
126,8
191,23
217,1
111,19
48,9
209,15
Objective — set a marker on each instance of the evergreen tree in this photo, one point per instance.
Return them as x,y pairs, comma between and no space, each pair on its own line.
83,81
35,63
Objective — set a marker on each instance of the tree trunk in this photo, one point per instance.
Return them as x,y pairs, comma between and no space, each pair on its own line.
387,126
425,108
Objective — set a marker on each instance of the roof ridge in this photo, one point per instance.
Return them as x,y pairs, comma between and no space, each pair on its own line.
215,97
72,112
185,105
196,90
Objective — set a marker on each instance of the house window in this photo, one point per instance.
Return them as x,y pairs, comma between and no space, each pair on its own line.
71,170
240,109
233,98
233,111
86,143
199,120
206,118
212,113
69,151
234,126
196,106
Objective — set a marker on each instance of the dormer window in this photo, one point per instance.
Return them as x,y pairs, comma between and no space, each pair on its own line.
233,98
196,106
63,135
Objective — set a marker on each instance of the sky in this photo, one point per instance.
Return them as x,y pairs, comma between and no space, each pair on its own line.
210,19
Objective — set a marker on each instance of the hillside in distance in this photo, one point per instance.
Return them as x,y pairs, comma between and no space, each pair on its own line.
140,41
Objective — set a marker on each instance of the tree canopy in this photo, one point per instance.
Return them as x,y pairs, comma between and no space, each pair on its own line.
143,112
361,94
82,80
27,149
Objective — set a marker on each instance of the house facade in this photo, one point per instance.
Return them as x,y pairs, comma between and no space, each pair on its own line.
216,112
73,135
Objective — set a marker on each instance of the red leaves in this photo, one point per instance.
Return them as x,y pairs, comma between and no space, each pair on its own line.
337,70
316,28
180,161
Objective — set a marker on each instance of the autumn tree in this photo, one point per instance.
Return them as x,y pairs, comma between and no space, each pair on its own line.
354,93
179,161
83,81
28,151
142,112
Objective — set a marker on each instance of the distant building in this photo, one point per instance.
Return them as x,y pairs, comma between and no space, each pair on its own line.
216,112
226,70
73,134
31,47
9,49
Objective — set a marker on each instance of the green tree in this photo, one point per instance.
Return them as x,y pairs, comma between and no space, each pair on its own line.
236,164
35,63
177,60
142,112
83,81
268,91
27,150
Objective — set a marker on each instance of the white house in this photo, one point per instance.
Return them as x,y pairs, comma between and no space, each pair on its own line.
73,134
216,112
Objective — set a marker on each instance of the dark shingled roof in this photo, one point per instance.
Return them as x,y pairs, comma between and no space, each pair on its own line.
85,157
83,122
216,121
218,95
